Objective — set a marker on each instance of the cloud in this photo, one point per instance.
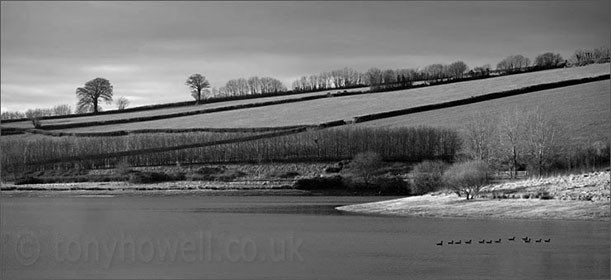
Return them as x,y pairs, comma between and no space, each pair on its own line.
111,68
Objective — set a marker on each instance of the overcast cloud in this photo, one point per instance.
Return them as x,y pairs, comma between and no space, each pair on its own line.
147,49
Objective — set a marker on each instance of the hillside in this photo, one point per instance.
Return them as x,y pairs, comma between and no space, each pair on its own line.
174,110
338,108
583,109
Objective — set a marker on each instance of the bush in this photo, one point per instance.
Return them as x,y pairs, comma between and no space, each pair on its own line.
427,177
467,177
122,168
219,173
205,173
392,185
229,175
139,177
320,183
28,180
365,165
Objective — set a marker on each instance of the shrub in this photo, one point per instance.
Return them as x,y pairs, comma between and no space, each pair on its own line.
427,177
467,178
365,165
122,168
205,173
218,173
392,185
139,177
28,180
229,175
320,183
380,185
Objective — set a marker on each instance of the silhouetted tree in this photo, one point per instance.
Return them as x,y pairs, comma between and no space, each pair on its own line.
90,95
513,62
197,83
548,60
457,68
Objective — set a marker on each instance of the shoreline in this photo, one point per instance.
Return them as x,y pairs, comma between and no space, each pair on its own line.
451,206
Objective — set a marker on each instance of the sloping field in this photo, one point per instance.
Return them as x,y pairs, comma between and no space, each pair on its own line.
585,110
166,111
337,108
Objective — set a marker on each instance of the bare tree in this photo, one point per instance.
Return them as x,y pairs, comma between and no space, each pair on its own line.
457,68
585,57
480,137
365,165
512,132
375,78
543,135
434,71
62,110
467,178
548,60
197,83
122,103
89,96
254,85
513,62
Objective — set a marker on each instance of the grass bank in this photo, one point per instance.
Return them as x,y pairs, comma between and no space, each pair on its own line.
564,207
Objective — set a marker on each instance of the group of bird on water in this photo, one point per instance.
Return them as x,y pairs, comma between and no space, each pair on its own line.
525,239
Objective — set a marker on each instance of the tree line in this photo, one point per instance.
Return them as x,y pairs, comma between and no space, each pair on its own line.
528,140
100,90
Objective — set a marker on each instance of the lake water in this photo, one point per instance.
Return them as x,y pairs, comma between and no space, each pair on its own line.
67,235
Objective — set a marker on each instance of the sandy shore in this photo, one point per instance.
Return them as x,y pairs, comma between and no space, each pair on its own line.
576,197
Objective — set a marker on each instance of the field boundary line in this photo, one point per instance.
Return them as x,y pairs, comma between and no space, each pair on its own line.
477,99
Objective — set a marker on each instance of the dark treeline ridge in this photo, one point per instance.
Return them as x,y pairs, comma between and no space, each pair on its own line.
302,144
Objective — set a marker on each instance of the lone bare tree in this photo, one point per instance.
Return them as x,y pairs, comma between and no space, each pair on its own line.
197,83
122,103
467,178
90,95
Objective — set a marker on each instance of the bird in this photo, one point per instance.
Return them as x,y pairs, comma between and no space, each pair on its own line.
527,240
440,243
538,240
458,242
451,242
512,238
481,241
497,241
489,242
468,241
548,240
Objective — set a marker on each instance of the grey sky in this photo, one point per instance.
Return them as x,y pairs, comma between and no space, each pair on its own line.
147,49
